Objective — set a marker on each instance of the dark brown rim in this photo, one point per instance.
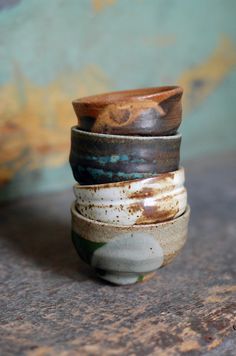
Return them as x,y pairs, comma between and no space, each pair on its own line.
162,92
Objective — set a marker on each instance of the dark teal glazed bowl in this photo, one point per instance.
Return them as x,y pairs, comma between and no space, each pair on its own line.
102,158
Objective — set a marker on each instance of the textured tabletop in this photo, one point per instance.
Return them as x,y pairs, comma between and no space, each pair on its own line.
52,304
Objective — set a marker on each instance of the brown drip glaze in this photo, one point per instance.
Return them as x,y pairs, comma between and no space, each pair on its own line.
148,111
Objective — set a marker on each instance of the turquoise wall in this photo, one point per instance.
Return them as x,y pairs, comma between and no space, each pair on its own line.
54,51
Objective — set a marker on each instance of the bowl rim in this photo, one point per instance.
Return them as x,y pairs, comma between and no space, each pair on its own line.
76,131
76,214
108,98
122,184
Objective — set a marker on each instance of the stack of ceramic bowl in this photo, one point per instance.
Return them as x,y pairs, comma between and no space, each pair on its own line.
130,216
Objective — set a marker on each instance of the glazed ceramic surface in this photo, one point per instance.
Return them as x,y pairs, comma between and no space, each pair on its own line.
124,254
148,111
142,201
98,158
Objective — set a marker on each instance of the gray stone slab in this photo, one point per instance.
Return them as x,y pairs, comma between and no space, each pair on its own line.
53,304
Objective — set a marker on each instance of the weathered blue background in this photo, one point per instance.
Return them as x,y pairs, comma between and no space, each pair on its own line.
54,51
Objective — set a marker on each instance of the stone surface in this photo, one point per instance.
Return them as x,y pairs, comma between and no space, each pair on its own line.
52,304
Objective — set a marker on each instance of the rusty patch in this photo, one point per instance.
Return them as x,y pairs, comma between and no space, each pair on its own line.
147,192
143,193
153,214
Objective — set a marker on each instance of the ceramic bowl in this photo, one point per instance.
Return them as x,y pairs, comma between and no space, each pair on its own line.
142,201
125,254
149,111
98,158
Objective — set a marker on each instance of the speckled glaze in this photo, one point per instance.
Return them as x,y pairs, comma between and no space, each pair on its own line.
124,254
98,158
149,111
142,201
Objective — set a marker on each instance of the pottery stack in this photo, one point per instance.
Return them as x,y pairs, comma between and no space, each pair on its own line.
130,216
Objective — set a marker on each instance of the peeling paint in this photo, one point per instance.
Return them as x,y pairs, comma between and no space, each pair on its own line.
201,80
35,131
100,5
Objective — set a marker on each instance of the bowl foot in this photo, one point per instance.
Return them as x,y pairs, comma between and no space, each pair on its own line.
120,278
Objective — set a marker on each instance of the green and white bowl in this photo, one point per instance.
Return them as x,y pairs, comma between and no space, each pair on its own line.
127,254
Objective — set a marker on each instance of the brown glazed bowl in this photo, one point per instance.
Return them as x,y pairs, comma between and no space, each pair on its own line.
98,158
146,112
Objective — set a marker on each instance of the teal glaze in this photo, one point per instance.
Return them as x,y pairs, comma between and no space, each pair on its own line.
114,159
121,157
96,173
106,159
126,176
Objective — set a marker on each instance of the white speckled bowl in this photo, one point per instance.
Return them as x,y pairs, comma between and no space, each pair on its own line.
125,254
141,201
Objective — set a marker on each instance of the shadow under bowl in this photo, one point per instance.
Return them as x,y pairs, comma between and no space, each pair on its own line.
124,254
147,112
99,158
